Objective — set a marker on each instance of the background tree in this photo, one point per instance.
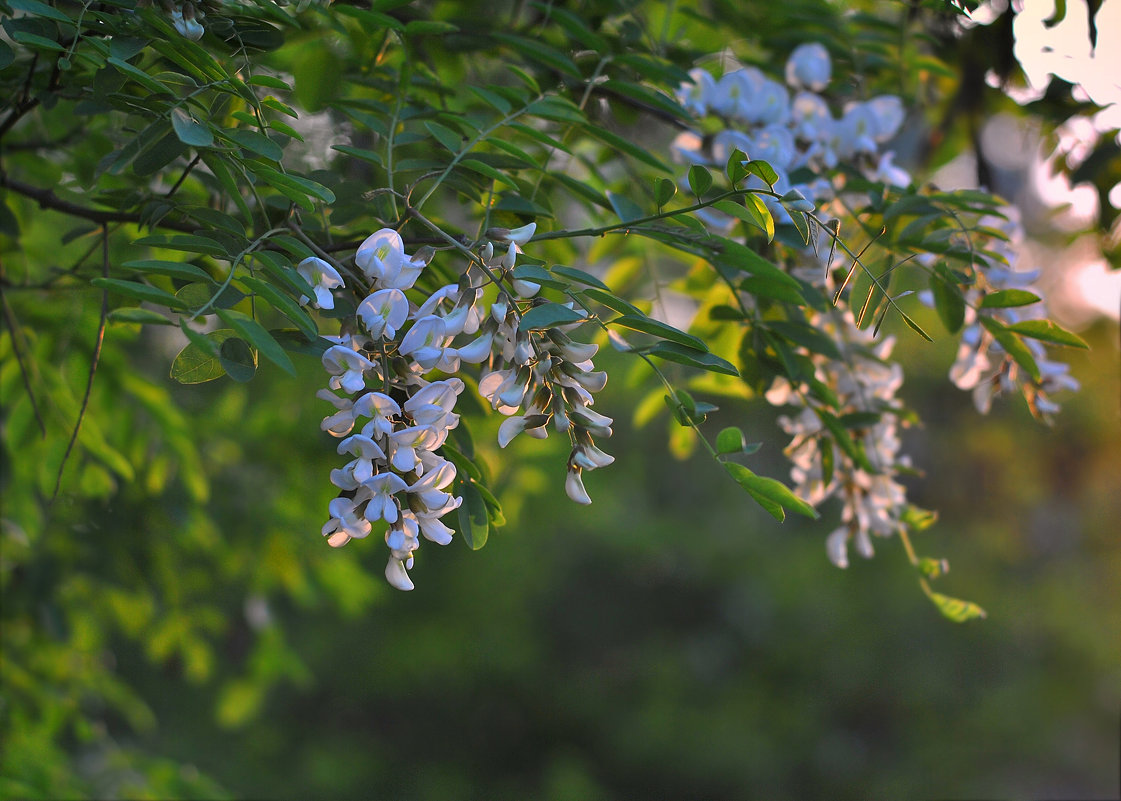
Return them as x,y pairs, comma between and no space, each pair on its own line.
388,199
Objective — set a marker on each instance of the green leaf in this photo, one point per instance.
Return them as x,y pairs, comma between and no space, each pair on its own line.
664,190
174,269
256,335
580,276
913,325
764,489
549,315
237,359
257,142
734,168
763,170
424,27
189,131
538,275
199,362
41,10
624,207
807,336
1008,298
659,329
753,212
1012,343
730,440
948,300
1047,331
741,257
283,304
611,301
33,40
646,97
955,609
138,75
270,81
445,136
295,188
800,221
700,180
137,291
135,314
474,522
933,568
619,143
683,354
189,243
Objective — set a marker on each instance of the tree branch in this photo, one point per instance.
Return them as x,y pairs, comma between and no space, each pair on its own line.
49,200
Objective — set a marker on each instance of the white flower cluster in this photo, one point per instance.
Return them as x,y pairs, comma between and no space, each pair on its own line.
982,365
864,383
185,19
382,364
797,135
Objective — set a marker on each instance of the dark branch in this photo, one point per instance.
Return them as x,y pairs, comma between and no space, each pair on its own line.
49,200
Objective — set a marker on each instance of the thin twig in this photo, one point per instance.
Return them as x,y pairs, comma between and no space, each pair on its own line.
13,326
183,177
93,363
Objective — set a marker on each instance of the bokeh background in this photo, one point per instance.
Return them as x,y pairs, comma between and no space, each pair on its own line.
186,633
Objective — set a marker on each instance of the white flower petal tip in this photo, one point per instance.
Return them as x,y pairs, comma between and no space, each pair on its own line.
397,576
338,539
574,488
520,236
836,547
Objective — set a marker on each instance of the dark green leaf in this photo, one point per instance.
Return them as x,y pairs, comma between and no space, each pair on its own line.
549,315
659,329
284,304
136,314
619,143
611,301
258,337
624,207
199,361
474,522
700,180
664,190
175,269
683,354
581,277
137,291
445,136
237,359
257,142
189,131
948,300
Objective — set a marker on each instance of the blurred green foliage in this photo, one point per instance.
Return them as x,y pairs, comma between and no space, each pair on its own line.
175,627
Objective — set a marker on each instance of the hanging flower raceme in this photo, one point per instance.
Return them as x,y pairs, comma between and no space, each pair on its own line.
861,471
384,363
982,364
792,134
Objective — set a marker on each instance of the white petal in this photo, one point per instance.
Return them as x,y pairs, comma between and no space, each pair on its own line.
396,575
574,487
